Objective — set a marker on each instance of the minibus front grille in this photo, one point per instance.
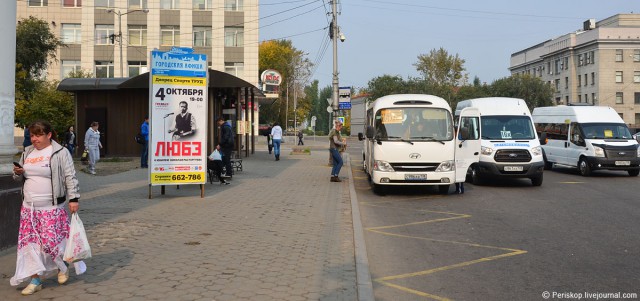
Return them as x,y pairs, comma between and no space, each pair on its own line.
512,155
621,153
414,167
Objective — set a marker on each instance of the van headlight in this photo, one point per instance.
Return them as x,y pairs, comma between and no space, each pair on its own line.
487,151
599,152
537,151
446,166
382,166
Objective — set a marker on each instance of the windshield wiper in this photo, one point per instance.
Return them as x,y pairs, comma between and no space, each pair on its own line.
429,139
400,138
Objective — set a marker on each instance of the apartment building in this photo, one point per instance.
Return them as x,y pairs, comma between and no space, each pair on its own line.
599,64
113,38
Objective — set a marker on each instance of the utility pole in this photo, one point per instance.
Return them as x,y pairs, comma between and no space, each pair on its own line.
334,35
120,14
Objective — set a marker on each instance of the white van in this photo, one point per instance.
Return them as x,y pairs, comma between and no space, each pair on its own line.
509,145
410,140
587,137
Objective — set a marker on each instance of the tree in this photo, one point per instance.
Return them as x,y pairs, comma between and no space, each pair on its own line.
47,104
441,68
533,90
294,68
36,47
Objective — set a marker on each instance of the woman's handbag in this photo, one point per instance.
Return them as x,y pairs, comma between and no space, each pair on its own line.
77,247
85,157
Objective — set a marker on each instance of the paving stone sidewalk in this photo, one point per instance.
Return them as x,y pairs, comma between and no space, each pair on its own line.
280,231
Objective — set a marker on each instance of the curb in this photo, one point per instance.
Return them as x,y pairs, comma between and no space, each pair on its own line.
363,277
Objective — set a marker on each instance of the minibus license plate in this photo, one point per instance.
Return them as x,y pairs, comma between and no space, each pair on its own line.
513,168
414,177
623,163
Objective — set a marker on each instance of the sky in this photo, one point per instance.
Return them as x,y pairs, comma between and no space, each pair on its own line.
385,37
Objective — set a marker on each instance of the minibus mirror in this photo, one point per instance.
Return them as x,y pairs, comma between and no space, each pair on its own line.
370,132
360,136
543,138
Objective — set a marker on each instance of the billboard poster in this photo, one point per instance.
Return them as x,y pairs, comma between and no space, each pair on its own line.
344,98
178,117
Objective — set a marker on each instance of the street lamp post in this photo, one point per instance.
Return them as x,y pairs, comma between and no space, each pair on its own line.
120,14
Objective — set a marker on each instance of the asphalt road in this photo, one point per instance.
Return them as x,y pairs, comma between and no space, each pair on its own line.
504,241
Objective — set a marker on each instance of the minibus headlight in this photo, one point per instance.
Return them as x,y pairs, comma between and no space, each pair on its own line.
599,152
446,166
537,151
487,151
638,152
382,166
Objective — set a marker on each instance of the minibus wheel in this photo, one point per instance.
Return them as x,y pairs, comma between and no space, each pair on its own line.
584,168
634,172
475,175
547,165
536,181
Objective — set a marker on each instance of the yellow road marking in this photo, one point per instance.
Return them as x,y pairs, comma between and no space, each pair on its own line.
386,280
571,182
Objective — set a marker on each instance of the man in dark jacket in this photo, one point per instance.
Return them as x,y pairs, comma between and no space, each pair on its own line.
226,144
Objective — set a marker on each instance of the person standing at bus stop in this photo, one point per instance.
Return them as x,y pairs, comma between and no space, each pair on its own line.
144,130
92,145
226,145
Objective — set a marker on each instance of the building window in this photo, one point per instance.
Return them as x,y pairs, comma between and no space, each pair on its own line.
593,78
566,99
588,59
566,82
621,116
233,5
637,118
235,69
202,4
619,57
636,98
636,76
586,98
104,69
579,80
201,36
579,98
549,68
586,80
138,35
71,3
38,3
618,76
71,34
593,57
580,61
137,68
103,34
566,63
169,4
636,55
558,66
69,67
138,4
233,36
170,35
593,98
619,99
104,3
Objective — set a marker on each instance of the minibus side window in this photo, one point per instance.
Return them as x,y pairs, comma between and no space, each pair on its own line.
577,137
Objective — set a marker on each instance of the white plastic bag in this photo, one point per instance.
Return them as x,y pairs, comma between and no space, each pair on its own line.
77,245
215,156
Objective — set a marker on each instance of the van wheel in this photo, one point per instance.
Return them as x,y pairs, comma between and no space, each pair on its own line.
379,189
547,165
536,181
443,189
584,168
475,176
634,173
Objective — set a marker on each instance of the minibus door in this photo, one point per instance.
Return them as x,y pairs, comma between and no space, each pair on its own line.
467,148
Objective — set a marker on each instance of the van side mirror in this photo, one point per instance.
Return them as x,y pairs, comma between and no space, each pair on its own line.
360,136
370,132
543,138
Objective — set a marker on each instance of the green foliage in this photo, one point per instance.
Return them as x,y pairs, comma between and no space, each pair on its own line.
80,74
533,90
440,68
47,104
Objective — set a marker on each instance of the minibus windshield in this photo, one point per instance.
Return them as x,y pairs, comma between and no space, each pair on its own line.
606,131
413,124
507,128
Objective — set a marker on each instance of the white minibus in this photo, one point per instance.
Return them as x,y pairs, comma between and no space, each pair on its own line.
409,140
586,137
509,145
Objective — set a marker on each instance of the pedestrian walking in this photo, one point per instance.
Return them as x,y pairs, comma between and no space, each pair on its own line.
276,137
49,181
336,145
226,145
92,145
269,140
144,131
300,136
70,140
